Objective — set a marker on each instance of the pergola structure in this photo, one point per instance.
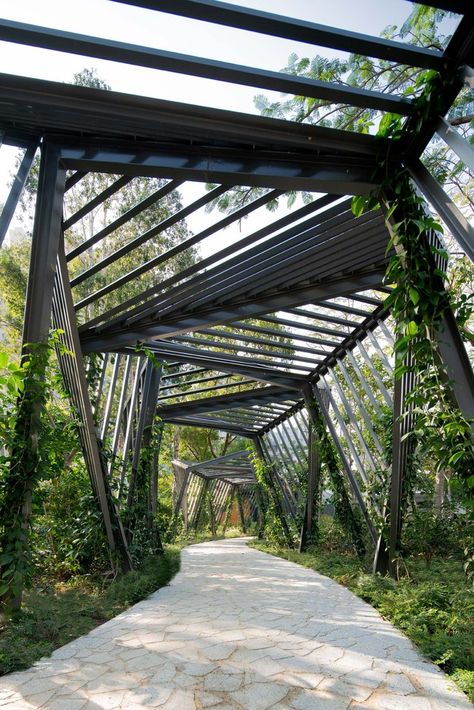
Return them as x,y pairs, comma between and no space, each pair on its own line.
263,336
221,481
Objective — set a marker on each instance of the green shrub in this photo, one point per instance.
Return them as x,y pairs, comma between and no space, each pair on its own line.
429,532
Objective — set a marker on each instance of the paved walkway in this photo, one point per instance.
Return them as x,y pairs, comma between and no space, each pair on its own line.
237,629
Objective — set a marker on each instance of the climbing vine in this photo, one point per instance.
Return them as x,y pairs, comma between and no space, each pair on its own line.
276,527
419,302
24,389
342,506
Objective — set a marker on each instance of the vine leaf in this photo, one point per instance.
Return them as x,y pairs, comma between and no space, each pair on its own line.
414,295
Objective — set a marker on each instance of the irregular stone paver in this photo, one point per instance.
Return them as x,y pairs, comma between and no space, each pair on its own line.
238,629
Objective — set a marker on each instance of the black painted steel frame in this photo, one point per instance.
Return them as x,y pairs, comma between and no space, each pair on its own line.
313,278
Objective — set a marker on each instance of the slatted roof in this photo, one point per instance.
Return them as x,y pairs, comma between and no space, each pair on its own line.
247,326
236,468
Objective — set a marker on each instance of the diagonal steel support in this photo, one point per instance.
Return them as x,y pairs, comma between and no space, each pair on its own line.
269,478
16,189
314,483
458,225
458,367
75,379
354,485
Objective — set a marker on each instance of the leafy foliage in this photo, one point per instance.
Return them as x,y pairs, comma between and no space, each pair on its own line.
344,512
21,462
420,306
276,528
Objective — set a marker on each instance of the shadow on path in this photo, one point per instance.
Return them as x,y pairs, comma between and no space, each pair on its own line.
238,628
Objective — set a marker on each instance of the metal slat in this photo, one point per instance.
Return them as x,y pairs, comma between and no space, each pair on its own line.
150,306
149,234
110,397
302,264
112,50
252,307
241,325
16,189
96,202
345,463
296,29
273,253
122,219
225,335
178,395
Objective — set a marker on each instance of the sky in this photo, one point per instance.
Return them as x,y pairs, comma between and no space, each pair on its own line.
135,25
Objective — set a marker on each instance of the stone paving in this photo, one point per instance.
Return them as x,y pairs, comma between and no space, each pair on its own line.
238,629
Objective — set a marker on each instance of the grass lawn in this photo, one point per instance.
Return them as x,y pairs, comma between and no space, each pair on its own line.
433,606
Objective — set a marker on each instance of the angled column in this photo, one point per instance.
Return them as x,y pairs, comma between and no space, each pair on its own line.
453,355
269,477
337,478
241,509
260,498
200,502
74,374
16,190
16,508
309,528
228,512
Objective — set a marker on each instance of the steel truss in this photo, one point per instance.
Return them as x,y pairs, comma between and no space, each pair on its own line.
260,339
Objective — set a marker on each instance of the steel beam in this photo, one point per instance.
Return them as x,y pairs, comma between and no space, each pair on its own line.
456,142
244,18
46,106
458,225
113,50
72,367
16,189
458,367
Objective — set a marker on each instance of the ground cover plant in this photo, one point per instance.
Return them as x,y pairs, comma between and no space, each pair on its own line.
55,613
433,604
